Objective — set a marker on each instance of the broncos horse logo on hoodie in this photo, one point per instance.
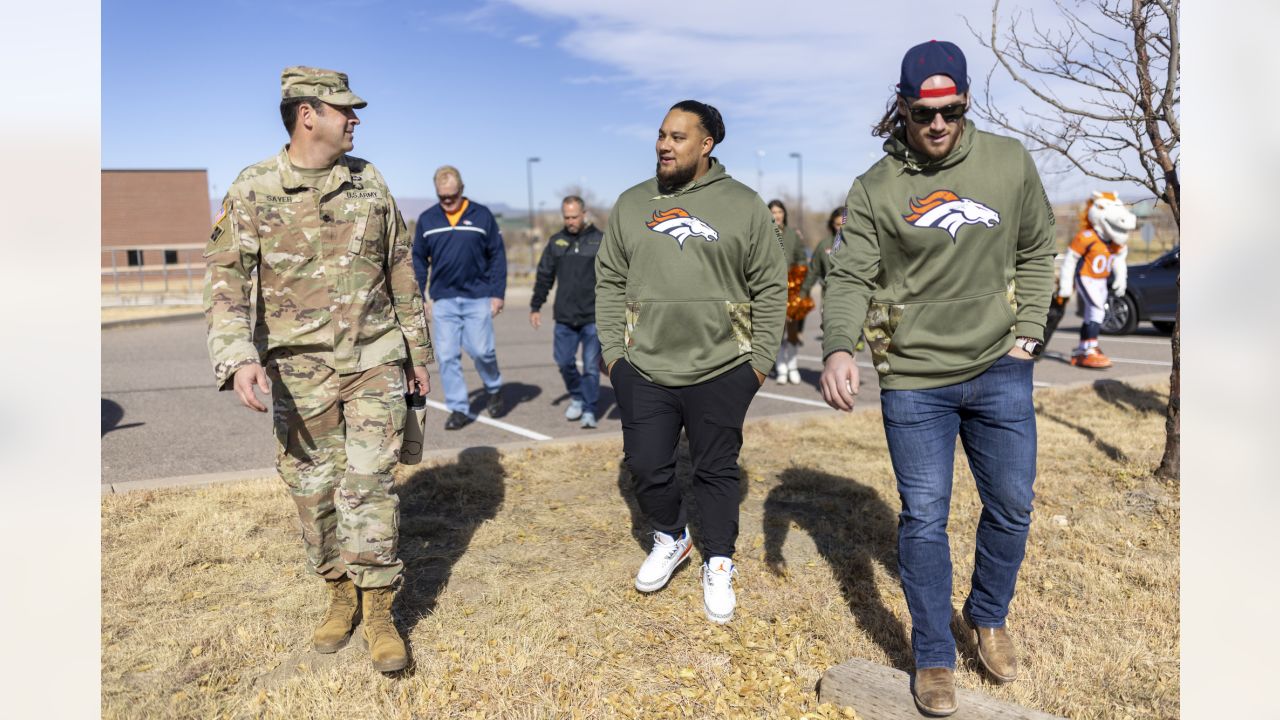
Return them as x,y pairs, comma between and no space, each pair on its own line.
680,225
944,209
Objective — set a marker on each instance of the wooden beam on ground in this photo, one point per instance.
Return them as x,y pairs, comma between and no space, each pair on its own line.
877,692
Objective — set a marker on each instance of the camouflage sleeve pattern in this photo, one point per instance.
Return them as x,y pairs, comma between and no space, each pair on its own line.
405,295
231,259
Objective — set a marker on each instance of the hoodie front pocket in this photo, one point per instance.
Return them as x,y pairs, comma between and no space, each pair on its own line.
939,337
684,336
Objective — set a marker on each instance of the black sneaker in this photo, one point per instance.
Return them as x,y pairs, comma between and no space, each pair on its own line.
494,406
457,420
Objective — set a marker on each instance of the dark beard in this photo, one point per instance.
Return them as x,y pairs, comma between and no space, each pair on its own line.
679,177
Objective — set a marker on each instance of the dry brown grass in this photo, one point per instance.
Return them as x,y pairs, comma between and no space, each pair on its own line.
519,601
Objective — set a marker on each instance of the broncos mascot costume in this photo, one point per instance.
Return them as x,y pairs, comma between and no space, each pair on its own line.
1096,255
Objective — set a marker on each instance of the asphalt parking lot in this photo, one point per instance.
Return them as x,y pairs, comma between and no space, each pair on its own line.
162,418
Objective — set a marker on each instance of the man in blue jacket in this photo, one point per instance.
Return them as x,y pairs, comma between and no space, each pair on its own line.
458,252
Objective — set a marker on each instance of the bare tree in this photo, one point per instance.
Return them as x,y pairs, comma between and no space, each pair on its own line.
1107,92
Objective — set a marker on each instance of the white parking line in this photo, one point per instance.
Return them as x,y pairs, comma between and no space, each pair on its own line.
1140,341
787,398
1165,363
496,423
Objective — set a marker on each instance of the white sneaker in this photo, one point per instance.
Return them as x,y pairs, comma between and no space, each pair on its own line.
588,420
574,411
717,589
794,376
781,377
667,554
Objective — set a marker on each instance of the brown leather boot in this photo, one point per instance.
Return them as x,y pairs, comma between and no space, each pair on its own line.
934,690
995,650
335,629
386,648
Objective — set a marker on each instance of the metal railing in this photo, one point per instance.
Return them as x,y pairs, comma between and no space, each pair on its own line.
154,278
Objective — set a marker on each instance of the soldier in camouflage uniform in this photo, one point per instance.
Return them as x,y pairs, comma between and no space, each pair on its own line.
334,320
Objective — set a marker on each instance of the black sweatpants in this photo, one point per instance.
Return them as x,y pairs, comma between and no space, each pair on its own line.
711,414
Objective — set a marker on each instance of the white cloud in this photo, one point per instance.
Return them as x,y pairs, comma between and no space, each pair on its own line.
529,41
595,79
812,76
633,130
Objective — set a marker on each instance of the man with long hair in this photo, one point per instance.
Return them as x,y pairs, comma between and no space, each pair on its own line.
947,267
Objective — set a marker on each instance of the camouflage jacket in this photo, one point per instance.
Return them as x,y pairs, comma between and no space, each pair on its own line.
334,274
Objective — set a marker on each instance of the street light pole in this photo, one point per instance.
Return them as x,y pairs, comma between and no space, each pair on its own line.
528,166
799,187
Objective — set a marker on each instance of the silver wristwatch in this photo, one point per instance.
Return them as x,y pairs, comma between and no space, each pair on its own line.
1031,346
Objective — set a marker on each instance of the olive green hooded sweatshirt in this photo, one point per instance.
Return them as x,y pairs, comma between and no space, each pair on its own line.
943,263
692,284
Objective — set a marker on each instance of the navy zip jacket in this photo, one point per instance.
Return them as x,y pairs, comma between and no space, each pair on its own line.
571,259
466,260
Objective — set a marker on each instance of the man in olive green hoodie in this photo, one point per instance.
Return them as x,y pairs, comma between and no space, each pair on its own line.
947,267
691,292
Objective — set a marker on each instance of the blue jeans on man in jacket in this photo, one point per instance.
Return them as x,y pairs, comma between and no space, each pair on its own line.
995,419
582,386
459,324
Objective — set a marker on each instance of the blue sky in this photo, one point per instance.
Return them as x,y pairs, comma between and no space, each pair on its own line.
581,84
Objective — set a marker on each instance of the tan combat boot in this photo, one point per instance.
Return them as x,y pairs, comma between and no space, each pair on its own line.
386,648
339,619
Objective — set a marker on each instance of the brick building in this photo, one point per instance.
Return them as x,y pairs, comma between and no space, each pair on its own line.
156,221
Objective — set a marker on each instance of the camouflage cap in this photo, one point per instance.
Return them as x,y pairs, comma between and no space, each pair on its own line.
329,86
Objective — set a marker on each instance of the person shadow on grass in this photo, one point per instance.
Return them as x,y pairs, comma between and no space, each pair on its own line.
850,526
642,530
441,508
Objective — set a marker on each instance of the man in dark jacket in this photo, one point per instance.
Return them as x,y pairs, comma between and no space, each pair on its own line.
570,257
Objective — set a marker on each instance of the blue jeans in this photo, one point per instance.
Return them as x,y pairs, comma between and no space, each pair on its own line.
995,419
464,323
582,386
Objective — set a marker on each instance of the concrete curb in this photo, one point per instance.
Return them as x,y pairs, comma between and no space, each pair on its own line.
126,322
519,293
118,488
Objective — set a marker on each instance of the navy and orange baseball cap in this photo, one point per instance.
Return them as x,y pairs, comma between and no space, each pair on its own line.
933,58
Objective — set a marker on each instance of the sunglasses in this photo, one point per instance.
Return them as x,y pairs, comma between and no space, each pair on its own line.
449,198
924,115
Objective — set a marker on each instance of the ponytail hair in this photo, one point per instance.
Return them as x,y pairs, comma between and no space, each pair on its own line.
708,117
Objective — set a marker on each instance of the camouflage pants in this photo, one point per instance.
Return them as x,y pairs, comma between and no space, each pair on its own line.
337,441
